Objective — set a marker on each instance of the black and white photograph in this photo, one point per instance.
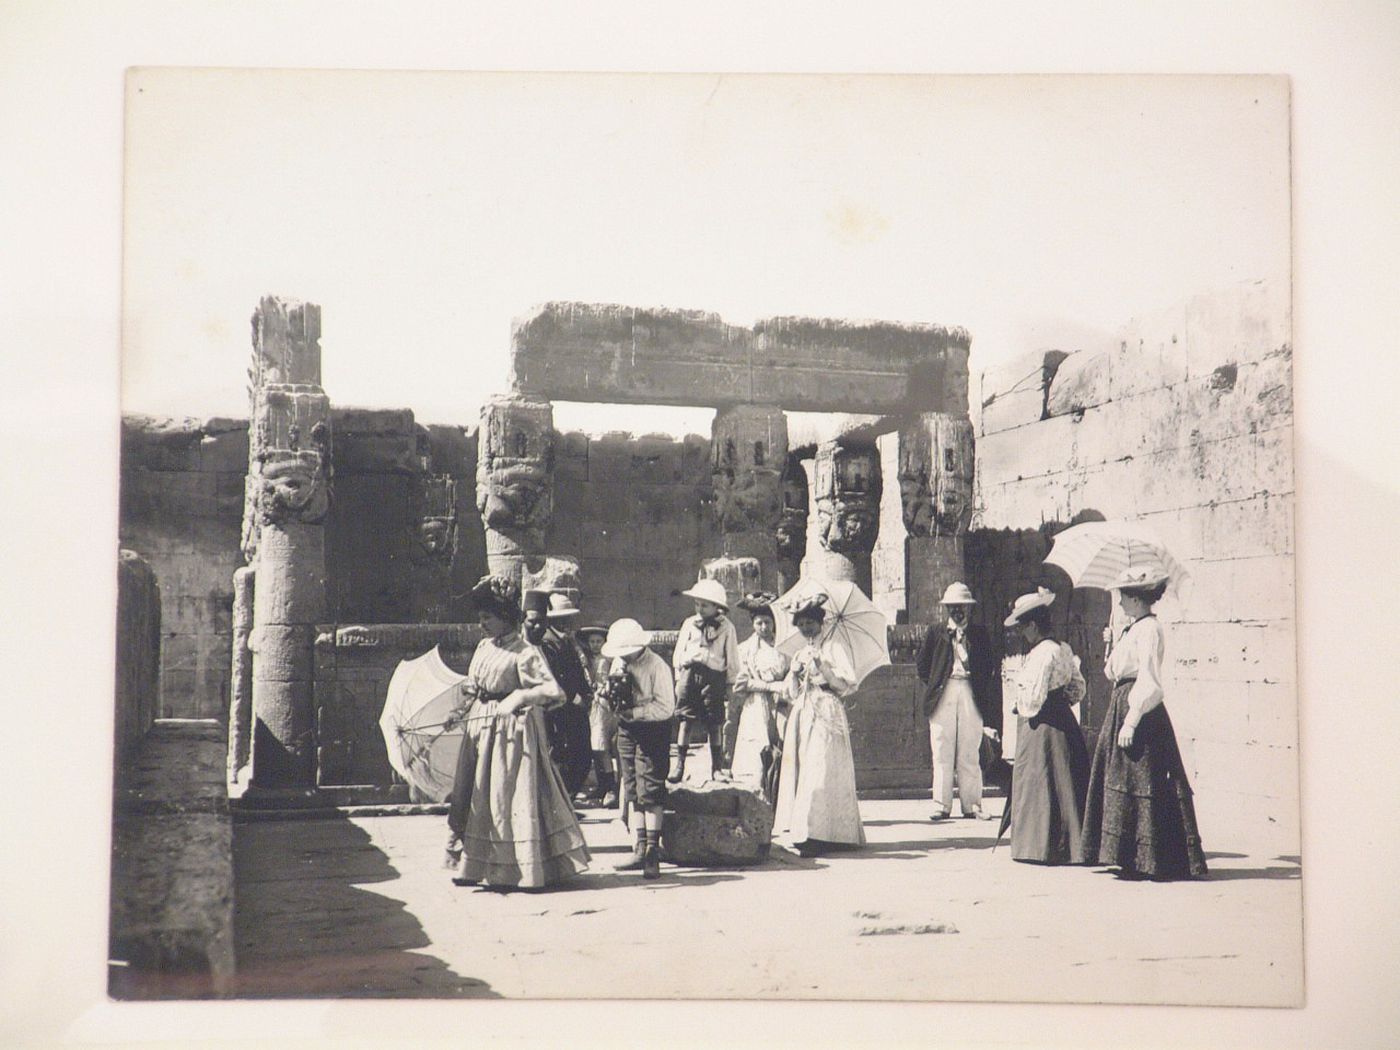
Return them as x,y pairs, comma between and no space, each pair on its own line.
691,515
809,548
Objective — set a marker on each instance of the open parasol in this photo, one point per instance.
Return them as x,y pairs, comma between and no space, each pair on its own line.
1095,553
420,731
852,622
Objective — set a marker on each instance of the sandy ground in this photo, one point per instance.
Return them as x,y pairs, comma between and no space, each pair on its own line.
359,907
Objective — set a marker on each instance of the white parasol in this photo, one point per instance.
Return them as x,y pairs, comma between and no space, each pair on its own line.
421,730
852,622
1095,553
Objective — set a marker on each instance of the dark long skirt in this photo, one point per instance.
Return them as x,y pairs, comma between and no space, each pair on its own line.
1050,780
1139,816
569,745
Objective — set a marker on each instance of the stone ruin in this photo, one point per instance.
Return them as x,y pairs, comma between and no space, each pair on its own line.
304,686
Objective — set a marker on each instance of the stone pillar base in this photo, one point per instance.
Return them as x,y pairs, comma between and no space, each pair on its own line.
932,562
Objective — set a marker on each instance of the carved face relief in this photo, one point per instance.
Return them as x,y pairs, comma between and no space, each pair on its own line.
515,497
751,500
917,503
848,527
291,486
435,535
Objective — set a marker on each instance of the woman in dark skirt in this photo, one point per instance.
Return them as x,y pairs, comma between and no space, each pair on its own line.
1140,817
1051,774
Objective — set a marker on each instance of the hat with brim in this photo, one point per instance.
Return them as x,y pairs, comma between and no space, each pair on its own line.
1139,578
1024,604
497,594
535,601
625,637
585,633
709,591
561,607
958,594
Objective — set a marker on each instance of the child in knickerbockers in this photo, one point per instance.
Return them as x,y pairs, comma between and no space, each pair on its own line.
706,662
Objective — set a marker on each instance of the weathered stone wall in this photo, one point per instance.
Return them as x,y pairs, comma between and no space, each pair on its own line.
1186,425
138,652
389,473
182,510
639,514
352,669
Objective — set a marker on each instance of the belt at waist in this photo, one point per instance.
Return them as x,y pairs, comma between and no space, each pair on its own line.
1124,681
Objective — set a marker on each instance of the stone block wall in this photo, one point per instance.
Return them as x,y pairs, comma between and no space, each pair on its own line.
352,672
138,651
1187,426
181,510
388,470
639,514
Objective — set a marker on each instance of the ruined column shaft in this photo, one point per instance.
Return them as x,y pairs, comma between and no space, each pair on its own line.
791,533
515,480
846,486
936,463
288,495
748,453
240,716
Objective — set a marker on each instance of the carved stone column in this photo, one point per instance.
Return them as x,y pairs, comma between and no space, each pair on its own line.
240,715
515,480
936,461
748,450
846,484
792,523
287,496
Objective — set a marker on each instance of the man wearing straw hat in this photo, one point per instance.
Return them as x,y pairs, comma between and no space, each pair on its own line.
567,723
960,700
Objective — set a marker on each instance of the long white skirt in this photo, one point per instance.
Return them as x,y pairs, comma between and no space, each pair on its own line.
817,786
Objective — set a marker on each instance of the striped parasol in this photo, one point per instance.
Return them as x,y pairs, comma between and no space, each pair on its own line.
1095,553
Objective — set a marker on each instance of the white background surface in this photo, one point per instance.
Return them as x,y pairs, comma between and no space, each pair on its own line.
61,68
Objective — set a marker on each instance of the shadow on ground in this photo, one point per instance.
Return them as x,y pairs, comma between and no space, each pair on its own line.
304,928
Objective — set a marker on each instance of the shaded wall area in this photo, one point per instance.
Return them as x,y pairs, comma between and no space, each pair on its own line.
1187,425
639,514
182,511
391,556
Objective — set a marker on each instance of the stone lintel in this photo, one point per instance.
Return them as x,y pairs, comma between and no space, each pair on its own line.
608,353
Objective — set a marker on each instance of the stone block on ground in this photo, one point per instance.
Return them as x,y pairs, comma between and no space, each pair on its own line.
172,868
716,824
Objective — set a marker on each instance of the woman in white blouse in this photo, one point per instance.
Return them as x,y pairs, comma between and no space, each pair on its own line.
510,818
760,692
1139,816
816,805
1051,774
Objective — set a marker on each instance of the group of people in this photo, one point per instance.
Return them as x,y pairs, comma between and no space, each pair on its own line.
542,707
1129,808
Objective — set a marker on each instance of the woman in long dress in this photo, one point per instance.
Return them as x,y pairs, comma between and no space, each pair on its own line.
511,822
1051,774
760,690
816,804
1140,817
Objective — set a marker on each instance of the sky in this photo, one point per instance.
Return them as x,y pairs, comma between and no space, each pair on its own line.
424,211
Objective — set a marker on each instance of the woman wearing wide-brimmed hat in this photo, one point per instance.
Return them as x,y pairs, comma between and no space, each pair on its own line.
1051,774
510,817
760,692
816,808
1139,816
